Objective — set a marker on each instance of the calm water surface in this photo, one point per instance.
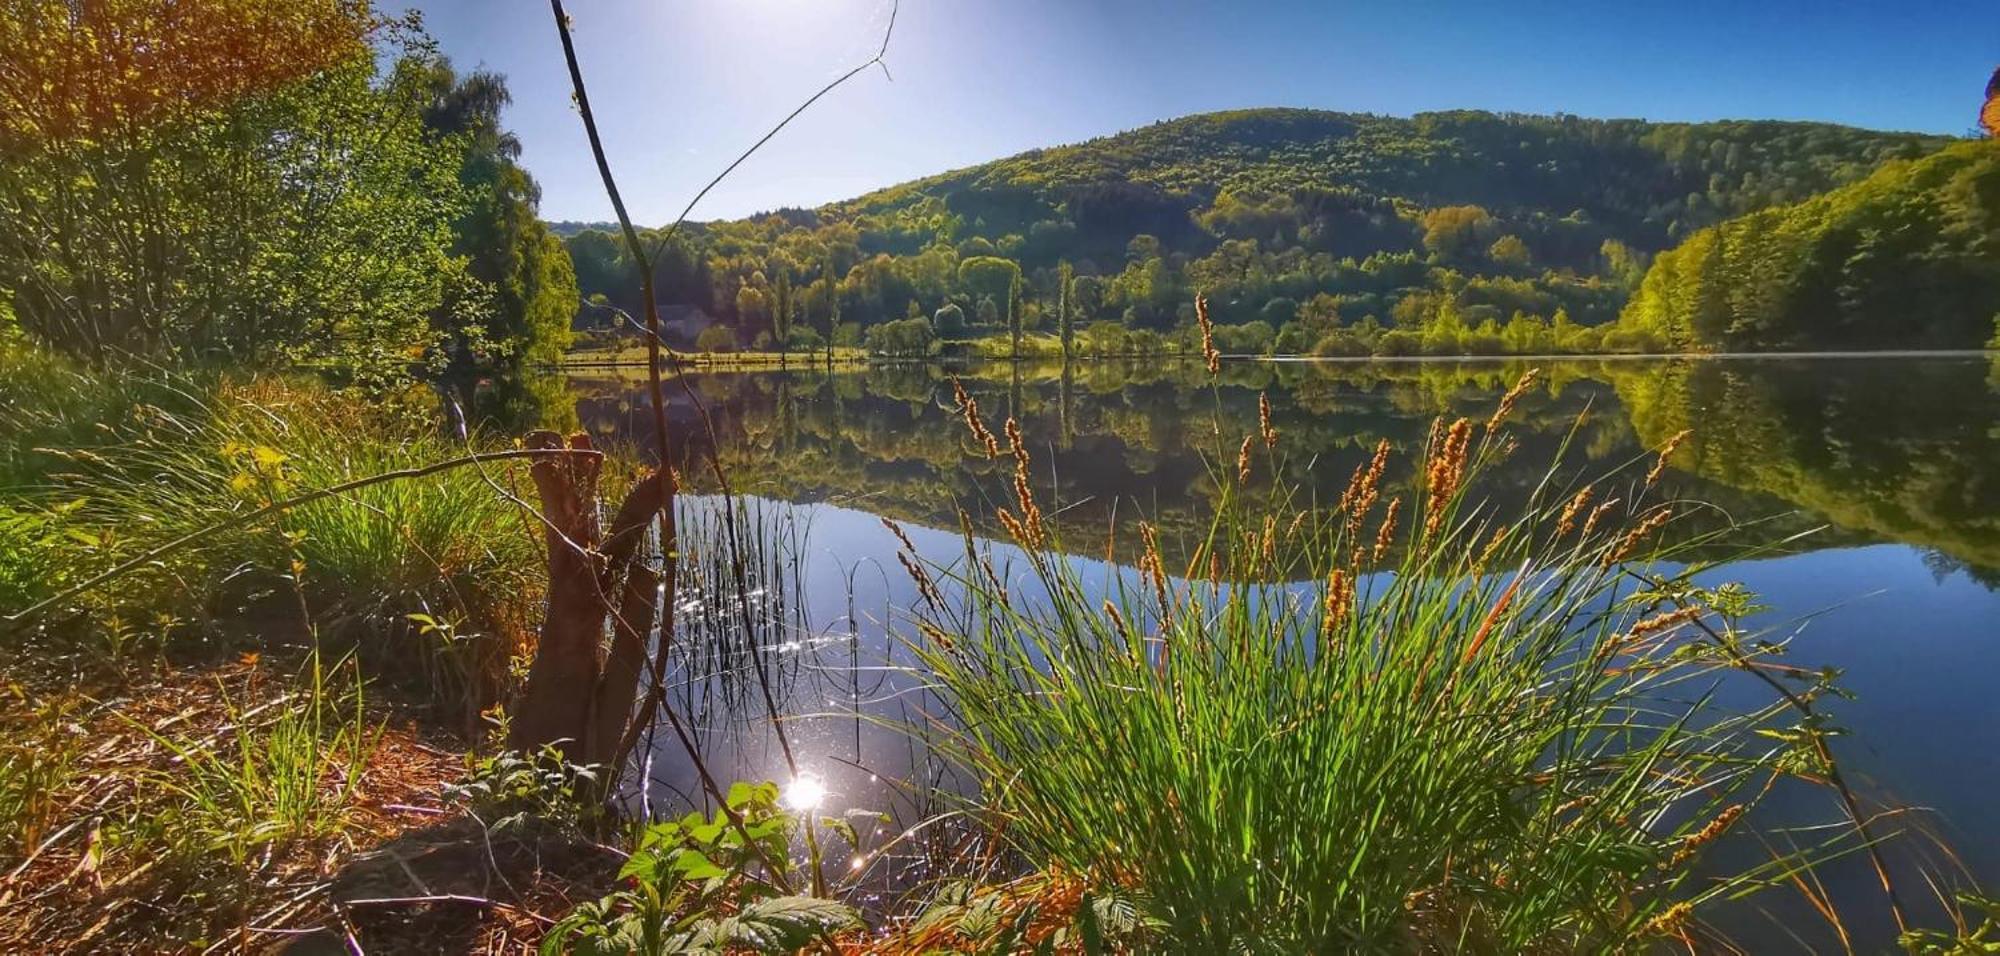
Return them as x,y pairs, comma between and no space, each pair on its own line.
1889,467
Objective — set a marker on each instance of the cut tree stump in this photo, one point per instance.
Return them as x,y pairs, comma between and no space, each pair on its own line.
603,602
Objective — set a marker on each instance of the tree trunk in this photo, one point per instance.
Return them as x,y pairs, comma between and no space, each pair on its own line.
580,693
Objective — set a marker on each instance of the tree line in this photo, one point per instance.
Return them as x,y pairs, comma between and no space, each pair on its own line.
1908,258
1309,232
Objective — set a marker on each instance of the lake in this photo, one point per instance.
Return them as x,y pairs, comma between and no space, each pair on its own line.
1869,486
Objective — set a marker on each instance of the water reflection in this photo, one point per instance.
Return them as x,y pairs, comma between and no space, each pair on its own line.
1892,464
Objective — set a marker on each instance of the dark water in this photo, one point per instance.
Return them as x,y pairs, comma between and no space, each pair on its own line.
1876,482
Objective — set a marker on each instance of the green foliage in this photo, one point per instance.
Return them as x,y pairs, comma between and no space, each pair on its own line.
1904,259
308,222
904,337
1495,213
1971,938
153,457
36,768
510,788
522,294
966,917
706,885
716,338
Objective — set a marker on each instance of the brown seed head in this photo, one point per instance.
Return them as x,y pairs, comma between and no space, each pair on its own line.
1666,452
1243,462
1264,421
1339,601
1632,538
970,410
1208,352
1385,534
1706,835
1567,523
1666,621
1597,514
1513,395
1671,919
1444,474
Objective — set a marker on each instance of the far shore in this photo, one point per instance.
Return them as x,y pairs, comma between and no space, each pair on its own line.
766,361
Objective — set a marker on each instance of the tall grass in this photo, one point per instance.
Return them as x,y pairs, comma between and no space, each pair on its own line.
102,467
1336,730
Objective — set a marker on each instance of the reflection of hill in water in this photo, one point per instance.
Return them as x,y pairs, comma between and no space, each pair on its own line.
1899,449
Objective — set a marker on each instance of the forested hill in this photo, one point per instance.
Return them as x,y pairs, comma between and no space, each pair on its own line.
1908,258
1333,230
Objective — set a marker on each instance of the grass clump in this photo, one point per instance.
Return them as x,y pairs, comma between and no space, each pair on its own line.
1404,722
102,467
286,770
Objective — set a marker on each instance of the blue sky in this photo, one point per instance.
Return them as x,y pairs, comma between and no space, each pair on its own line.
682,86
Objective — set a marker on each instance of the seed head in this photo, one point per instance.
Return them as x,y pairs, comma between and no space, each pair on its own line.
1208,352
1264,421
970,409
1385,534
1513,395
1568,521
1666,451
1632,538
1339,601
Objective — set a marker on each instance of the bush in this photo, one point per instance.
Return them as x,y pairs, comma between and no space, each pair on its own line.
715,338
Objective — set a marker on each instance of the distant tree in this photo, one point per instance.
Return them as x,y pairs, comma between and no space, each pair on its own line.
1014,319
1453,232
1989,114
989,276
949,322
901,337
716,338
782,306
1622,264
830,290
753,308
1065,315
1509,252
524,294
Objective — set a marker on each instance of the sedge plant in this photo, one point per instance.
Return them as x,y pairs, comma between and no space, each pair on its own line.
1409,720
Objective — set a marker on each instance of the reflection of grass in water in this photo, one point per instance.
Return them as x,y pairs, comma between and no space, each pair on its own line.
1490,747
740,620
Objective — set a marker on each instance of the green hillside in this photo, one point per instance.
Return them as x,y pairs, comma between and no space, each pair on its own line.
1908,258
1459,231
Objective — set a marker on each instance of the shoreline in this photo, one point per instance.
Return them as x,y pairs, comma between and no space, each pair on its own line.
770,361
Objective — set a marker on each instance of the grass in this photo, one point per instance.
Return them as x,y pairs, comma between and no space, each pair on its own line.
104,466
1477,731
286,770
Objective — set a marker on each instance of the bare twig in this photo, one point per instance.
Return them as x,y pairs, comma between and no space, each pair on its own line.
879,59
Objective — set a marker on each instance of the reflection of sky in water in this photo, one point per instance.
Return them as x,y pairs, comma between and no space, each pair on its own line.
1920,650
1890,450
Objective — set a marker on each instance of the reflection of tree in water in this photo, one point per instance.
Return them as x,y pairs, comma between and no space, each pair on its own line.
1884,450
1902,449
